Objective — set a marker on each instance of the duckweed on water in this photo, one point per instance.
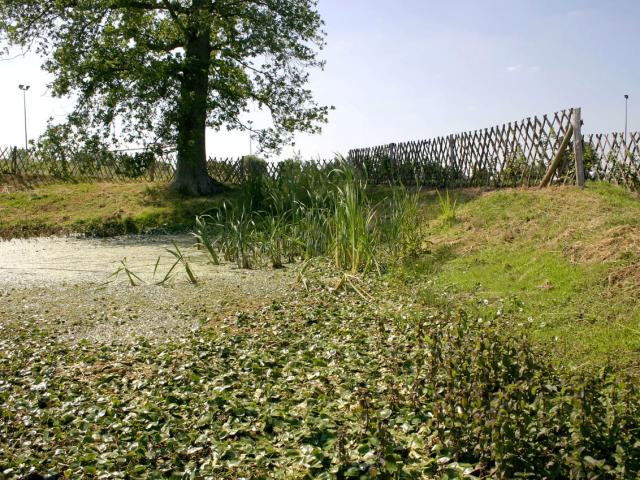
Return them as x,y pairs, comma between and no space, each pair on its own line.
319,386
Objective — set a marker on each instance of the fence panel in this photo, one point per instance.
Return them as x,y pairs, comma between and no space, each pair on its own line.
512,154
608,157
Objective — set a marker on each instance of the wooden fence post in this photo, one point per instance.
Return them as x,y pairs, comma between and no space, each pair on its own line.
393,161
452,151
452,158
152,169
557,159
576,121
14,160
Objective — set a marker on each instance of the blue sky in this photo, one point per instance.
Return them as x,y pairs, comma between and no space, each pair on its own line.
409,69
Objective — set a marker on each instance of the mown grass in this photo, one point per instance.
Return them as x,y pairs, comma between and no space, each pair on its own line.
102,209
559,264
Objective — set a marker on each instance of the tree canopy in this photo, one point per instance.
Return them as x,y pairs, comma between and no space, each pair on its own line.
168,69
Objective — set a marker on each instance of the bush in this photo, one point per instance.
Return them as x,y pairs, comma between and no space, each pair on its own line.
134,165
253,175
64,152
495,404
515,171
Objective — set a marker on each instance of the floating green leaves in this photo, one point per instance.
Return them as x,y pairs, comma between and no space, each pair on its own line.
319,386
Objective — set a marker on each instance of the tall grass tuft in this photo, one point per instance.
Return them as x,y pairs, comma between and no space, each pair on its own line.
401,222
181,258
448,208
353,232
204,240
237,234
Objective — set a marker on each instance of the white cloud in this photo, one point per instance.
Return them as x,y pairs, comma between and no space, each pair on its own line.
522,68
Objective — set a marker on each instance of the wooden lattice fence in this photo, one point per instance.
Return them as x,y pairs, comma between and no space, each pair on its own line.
27,167
513,154
609,158
30,167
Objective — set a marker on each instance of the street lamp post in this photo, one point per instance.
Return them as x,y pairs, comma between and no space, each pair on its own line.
24,89
626,116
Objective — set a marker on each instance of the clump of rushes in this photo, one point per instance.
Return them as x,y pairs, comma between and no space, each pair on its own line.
401,226
448,208
204,240
237,231
353,233
275,241
309,212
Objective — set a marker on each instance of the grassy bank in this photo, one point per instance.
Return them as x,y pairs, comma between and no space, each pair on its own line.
561,265
102,209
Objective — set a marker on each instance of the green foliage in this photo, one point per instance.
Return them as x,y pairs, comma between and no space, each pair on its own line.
53,149
435,175
515,171
448,208
134,165
204,240
401,225
481,176
253,173
181,258
64,151
236,230
592,162
67,152
381,169
625,173
145,62
322,386
353,236
310,212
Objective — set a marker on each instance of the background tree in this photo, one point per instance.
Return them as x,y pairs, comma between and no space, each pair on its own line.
170,68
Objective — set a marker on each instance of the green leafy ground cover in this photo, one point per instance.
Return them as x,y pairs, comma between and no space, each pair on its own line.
317,385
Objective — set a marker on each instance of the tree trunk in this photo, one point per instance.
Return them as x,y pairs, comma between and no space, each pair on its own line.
192,177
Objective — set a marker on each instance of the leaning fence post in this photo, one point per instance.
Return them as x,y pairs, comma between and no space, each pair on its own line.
558,158
576,121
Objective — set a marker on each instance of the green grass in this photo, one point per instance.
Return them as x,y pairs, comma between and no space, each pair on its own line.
98,209
541,262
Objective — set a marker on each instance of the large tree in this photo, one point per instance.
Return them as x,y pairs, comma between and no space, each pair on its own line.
169,69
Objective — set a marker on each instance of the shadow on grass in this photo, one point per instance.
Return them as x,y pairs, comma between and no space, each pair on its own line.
165,211
415,268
